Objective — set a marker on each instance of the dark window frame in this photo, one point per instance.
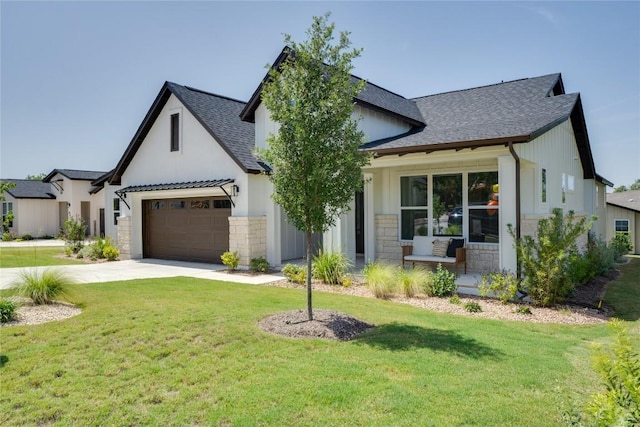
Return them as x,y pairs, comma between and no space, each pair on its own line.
175,132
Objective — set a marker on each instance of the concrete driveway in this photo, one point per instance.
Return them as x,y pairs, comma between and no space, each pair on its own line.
133,269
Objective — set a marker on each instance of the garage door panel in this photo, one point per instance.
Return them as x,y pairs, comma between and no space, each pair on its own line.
187,229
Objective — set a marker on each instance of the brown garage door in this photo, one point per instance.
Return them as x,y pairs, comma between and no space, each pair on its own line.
194,229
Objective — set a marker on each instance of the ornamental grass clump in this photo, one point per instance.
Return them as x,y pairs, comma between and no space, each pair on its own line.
42,286
380,279
412,282
330,267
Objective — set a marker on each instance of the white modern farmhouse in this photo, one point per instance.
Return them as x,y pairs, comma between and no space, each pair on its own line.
464,163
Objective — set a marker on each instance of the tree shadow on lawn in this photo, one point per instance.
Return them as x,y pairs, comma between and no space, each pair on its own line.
401,337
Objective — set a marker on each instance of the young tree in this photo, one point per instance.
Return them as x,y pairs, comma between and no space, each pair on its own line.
37,177
315,158
5,186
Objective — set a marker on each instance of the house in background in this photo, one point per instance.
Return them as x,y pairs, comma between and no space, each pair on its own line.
623,216
77,197
464,163
34,207
40,208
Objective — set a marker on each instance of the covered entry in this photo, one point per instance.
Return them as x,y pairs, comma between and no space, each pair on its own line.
187,229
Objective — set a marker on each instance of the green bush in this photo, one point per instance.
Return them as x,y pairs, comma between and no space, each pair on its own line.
330,267
295,273
411,282
619,369
7,237
523,309
27,237
7,310
42,286
472,307
74,233
545,260
111,253
380,279
230,259
503,285
455,300
259,265
621,244
443,283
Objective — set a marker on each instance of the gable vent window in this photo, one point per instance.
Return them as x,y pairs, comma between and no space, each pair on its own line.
175,132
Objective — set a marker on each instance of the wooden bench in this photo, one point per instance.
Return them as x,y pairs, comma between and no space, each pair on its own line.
421,251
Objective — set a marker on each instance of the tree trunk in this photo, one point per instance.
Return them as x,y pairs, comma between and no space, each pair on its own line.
309,255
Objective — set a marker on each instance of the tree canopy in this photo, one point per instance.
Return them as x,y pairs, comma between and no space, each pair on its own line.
634,186
315,157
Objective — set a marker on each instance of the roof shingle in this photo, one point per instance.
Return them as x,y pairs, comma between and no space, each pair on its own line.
30,189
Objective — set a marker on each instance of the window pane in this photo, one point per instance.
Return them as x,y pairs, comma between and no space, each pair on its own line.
413,191
544,186
178,204
447,198
157,205
200,204
482,188
414,222
175,132
116,204
484,225
622,226
222,204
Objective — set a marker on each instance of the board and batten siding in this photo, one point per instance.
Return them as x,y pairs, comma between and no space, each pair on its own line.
556,152
614,213
37,217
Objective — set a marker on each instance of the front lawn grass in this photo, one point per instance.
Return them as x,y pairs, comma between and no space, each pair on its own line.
184,351
34,256
624,294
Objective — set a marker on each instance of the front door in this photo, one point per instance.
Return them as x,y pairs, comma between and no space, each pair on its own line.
85,214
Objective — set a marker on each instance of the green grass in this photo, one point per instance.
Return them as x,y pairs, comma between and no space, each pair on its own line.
624,293
33,257
183,351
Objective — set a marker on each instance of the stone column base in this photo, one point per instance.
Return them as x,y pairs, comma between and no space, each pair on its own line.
248,237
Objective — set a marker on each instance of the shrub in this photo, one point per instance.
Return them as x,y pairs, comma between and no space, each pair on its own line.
472,307
111,253
42,286
7,237
330,267
523,309
411,282
27,237
443,283
259,265
621,244
380,279
68,251
619,369
454,300
295,273
74,233
7,310
230,259
545,261
503,285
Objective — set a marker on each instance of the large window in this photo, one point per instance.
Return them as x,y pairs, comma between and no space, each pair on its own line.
622,226
116,210
484,207
447,205
413,206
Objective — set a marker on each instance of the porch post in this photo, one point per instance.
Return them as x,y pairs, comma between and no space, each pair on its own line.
369,219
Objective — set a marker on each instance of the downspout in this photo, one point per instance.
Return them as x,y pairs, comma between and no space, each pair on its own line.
517,159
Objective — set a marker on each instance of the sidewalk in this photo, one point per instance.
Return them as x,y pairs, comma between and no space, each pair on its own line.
141,269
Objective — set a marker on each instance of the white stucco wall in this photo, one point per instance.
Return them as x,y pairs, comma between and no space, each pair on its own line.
37,217
74,192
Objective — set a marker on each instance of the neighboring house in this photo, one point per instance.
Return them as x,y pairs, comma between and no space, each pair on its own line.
34,208
78,197
623,216
464,163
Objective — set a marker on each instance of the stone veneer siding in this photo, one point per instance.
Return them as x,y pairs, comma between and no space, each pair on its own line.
387,242
248,237
124,237
483,258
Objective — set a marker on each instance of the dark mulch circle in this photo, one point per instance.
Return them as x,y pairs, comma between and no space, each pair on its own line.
327,324
591,294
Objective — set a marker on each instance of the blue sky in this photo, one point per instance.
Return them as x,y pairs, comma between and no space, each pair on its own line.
77,78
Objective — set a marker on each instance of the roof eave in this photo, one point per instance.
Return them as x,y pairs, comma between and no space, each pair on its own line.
459,145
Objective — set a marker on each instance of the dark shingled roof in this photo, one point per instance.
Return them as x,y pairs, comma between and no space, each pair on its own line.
625,199
76,175
372,96
517,111
30,189
219,115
